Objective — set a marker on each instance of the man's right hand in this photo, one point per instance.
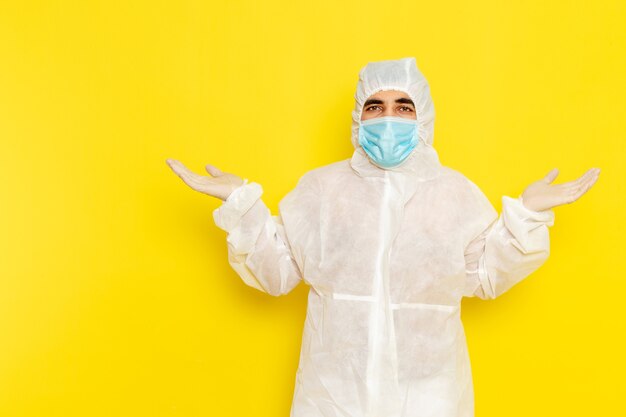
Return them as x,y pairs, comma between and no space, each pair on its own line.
219,185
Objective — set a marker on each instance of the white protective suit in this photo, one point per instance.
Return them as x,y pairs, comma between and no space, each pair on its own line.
388,254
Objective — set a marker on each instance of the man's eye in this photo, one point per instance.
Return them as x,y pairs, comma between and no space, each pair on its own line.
371,107
407,108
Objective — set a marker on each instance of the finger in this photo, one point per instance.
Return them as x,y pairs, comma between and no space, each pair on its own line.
172,163
213,170
578,192
551,176
589,176
199,182
179,168
189,177
582,180
589,183
592,172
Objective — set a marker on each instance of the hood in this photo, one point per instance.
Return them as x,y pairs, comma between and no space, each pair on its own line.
401,75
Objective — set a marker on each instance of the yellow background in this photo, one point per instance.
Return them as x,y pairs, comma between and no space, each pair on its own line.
116,298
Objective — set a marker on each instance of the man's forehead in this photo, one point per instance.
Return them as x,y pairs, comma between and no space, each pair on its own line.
389,94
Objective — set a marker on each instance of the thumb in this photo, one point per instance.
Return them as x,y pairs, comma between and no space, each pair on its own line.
213,170
551,176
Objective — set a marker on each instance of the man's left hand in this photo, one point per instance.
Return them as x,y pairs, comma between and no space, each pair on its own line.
543,195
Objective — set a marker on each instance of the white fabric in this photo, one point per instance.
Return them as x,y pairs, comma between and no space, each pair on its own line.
388,255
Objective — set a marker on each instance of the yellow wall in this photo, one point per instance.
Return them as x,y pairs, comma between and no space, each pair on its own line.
116,298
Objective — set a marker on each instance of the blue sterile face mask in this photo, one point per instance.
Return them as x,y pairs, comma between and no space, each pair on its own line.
388,140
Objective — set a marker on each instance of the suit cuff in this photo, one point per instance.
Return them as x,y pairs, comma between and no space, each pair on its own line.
240,200
521,221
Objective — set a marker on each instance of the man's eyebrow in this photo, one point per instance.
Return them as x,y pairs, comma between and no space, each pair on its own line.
372,101
402,100
405,101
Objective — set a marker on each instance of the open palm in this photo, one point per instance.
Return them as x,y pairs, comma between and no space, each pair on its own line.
542,195
219,185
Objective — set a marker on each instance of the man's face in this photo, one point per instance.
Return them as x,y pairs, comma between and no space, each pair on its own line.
388,103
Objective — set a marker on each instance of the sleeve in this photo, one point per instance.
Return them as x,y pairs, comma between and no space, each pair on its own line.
512,247
258,249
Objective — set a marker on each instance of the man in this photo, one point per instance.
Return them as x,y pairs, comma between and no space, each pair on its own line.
389,242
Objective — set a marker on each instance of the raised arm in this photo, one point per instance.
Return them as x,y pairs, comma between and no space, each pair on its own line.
518,241
509,250
258,247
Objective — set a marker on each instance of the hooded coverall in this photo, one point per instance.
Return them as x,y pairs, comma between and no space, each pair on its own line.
388,254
